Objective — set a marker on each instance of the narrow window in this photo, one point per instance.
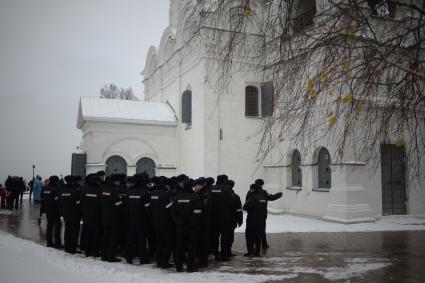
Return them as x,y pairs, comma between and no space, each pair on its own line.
251,101
296,169
324,162
305,10
267,99
187,107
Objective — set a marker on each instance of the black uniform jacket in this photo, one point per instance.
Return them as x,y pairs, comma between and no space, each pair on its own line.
50,196
187,212
237,216
222,205
256,206
90,204
69,199
161,202
137,207
110,203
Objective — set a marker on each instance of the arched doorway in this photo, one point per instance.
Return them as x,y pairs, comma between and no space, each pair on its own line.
147,165
116,165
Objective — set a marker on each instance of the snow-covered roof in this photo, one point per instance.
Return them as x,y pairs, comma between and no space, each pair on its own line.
124,111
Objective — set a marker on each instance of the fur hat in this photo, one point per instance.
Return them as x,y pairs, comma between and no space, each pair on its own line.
54,179
210,181
222,179
69,179
259,182
230,183
254,187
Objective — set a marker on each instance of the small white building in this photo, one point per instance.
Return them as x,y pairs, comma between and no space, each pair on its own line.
182,127
125,136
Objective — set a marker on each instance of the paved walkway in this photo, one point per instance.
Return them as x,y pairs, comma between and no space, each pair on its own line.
297,257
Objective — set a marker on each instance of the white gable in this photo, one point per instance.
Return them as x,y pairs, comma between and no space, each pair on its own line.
125,111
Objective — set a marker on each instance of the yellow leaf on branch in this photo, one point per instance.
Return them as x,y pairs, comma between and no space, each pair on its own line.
359,107
346,66
400,143
330,114
310,87
348,98
332,121
247,12
351,32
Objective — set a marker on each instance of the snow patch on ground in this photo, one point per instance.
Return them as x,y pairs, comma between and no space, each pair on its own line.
25,261
288,223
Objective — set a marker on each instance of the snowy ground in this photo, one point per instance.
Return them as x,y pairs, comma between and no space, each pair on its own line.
289,223
25,261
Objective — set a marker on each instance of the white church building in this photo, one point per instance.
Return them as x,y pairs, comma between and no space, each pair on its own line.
182,127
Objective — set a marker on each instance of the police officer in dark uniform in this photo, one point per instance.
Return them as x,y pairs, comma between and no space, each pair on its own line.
186,213
237,217
200,187
50,196
92,215
256,206
110,204
269,197
137,211
69,199
163,226
222,209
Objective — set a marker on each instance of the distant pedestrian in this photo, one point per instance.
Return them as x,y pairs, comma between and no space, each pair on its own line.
2,197
37,186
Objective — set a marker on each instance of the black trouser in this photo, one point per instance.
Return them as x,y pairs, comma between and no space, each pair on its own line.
56,224
136,240
16,200
71,235
109,241
150,237
21,196
203,248
231,235
3,202
163,242
90,236
183,242
220,238
253,233
264,243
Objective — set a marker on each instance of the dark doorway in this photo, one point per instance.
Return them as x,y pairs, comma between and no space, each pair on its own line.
116,165
393,173
147,165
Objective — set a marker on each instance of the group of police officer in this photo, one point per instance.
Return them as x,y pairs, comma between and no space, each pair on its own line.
153,218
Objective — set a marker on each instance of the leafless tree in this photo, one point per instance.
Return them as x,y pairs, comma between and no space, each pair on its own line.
111,91
350,71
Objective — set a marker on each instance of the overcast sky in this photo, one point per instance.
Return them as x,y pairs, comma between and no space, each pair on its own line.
52,52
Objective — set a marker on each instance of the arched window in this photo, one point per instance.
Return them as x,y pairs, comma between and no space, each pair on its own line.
147,165
324,169
251,101
115,165
304,12
296,169
187,107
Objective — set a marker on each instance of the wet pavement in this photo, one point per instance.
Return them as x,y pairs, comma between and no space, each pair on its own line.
296,257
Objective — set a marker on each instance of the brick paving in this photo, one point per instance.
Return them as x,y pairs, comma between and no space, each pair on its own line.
297,257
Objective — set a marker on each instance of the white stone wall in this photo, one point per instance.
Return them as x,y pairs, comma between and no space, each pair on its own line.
102,140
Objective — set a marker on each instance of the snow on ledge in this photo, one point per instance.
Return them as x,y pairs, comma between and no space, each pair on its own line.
285,223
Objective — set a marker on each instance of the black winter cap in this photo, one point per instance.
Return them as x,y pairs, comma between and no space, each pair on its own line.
54,179
259,182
